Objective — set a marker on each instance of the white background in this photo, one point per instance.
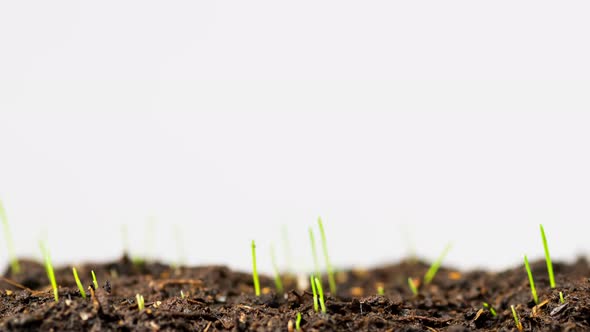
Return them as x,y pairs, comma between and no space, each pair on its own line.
436,121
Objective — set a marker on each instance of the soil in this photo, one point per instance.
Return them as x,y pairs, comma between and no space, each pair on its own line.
219,299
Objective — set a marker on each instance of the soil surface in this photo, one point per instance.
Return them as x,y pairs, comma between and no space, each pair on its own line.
219,299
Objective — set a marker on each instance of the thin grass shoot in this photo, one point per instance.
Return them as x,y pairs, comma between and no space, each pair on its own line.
315,293
278,281
561,299
320,289
380,290
49,270
298,322
182,296
490,308
531,281
436,265
14,264
413,287
78,282
314,253
329,268
255,271
547,258
94,281
516,320
140,302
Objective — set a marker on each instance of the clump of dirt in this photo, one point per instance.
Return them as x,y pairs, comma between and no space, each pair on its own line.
215,298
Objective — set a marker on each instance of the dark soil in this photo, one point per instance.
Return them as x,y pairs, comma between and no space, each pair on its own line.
218,299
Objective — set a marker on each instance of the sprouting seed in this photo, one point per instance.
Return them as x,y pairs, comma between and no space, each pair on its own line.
49,270
380,290
413,287
320,289
78,282
255,271
182,294
547,258
140,302
298,322
329,269
516,320
94,281
14,264
531,281
314,292
490,308
278,281
561,299
436,265
314,252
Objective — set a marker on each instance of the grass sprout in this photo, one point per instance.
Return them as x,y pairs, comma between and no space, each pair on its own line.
531,281
315,293
14,264
436,265
255,271
182,296
78,282
314,253
490,308
278,281
329,269
298,322
547,258
516,320
94,282
140,302
413,287
380,290
320,289
49,269
561,299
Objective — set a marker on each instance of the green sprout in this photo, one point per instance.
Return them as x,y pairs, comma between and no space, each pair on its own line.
14,264
140,302
380,290
320,289
548,258
298,322
561,299
278,282
94,282
315,293
329,269
490,308
255,271
531,281
49,270
516,320
413,287
182,294
78,282
314,252
436,265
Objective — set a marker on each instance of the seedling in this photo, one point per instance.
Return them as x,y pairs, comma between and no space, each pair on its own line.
49,270
298,322
547,258
531,281
278,282
318,285
413,287
14,264
491,309
94,282
140,302
516,320
255,271
80,287
436,265
315,293
314,252
561,299
380,290
182,294
329,269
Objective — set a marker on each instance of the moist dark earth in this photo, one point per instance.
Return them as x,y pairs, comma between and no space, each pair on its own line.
219,299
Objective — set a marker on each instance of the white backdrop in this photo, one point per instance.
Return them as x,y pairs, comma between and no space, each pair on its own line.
455,121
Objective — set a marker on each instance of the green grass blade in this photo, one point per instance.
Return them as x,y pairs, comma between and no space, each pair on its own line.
531,281
547,258
14,264
436,265
94,281
140,302
255,271
49,270
298,322
78,282
278,281
320,289
413,287
314,253
490,308
329,269
314,292
561,299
